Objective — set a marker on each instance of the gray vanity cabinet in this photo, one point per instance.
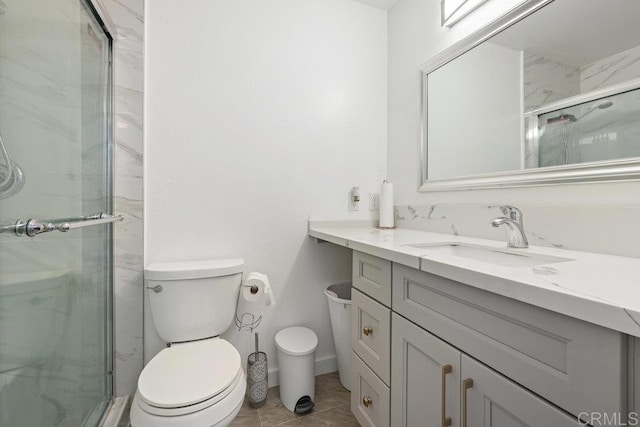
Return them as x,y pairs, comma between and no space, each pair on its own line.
574,364
428,350
370,333
425,377
371,340
372,275
369,395
429,375
490,400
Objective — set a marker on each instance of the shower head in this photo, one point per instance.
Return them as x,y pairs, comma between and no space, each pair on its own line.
565,117
602,106
3,7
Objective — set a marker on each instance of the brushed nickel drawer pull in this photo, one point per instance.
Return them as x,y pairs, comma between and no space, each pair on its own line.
466,385
446,421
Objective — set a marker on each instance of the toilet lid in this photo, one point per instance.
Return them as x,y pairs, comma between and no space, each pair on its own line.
188,373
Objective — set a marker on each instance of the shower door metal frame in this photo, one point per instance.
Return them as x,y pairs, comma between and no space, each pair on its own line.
583,98
99,11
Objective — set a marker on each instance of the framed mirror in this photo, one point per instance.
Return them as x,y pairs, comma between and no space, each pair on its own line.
549,93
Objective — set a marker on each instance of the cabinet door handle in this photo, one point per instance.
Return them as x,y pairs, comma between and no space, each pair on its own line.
367,330
446,421
366,401
466,385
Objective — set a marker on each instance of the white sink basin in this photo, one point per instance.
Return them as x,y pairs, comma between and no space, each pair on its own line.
503,257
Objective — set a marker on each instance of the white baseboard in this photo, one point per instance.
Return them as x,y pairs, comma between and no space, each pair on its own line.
323,366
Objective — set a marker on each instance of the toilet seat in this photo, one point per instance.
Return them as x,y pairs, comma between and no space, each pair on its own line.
184,410
189,377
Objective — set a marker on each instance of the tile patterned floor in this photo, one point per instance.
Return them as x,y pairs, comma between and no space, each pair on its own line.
332,408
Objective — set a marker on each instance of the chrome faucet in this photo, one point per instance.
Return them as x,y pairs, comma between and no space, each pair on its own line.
515,229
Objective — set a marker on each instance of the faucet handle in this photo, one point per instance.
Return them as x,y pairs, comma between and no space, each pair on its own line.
512,212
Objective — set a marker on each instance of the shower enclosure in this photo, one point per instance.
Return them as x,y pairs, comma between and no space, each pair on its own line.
55,176
601,126
600,130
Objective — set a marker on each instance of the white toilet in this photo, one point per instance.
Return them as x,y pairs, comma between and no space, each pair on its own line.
198,381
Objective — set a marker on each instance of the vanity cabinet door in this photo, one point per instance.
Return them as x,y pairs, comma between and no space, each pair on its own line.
372,275
425,378
369,395
490,400
371,333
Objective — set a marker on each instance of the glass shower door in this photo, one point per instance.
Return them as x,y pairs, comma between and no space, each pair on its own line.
55,166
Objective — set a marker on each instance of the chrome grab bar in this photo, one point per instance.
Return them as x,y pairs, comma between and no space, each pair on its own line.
33,227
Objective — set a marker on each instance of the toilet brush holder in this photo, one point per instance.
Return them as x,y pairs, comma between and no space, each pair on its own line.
257,377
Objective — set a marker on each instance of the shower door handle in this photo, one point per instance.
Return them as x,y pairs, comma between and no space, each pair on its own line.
33,227
102,218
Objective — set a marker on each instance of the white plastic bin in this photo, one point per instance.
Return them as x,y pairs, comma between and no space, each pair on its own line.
340,310
296,361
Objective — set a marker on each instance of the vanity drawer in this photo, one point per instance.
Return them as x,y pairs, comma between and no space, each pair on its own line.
369,396
577,365
372,275
371,333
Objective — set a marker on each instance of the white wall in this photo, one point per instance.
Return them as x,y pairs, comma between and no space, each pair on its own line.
259,114
415,35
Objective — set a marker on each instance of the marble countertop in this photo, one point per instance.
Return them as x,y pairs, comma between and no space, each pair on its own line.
601,289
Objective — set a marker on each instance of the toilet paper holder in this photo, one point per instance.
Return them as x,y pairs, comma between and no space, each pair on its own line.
254,296
254,289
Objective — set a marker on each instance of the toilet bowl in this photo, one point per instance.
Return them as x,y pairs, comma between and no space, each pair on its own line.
198,380
194,384
34,305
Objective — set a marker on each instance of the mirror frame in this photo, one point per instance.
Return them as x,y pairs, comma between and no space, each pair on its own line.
617,170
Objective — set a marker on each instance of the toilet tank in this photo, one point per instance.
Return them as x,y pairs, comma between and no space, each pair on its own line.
195,299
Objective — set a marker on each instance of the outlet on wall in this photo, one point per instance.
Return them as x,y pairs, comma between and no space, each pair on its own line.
374,201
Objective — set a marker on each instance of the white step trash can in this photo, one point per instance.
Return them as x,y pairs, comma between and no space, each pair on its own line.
340,310
297,367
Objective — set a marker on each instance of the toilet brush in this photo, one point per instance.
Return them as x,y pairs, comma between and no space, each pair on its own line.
257,377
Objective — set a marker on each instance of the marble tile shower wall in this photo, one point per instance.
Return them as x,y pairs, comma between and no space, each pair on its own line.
546,80
615,69
128,17
613,230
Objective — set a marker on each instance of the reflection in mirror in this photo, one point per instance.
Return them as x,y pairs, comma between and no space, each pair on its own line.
475,117
604,129
559,88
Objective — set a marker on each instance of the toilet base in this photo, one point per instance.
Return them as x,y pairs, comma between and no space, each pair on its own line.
219,415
